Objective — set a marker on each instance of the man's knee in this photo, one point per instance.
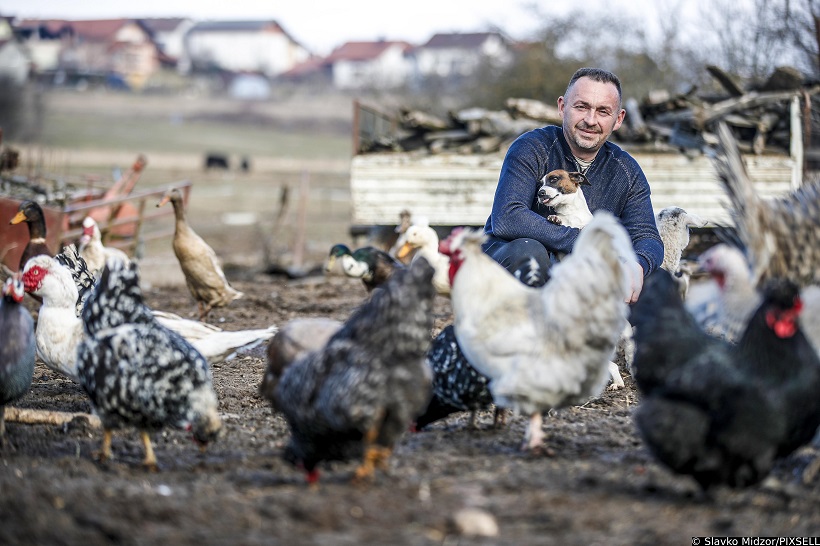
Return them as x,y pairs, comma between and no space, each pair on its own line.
515,252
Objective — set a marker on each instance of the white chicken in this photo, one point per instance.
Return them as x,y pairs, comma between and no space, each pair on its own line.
92,249
545,347
424,240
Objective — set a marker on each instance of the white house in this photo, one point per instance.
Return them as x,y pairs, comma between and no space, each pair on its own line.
241,46
459,55
15,63
381,64
169,35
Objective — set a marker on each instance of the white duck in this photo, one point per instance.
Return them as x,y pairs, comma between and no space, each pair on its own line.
424,240
92,249
59,329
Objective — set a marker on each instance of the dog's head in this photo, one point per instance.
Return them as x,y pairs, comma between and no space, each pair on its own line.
560,186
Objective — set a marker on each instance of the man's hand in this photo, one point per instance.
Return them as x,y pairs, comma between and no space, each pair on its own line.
636,281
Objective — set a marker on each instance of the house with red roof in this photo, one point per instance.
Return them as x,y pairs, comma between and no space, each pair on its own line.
382,64
106,47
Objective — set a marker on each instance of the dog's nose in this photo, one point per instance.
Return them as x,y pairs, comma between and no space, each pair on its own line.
542,192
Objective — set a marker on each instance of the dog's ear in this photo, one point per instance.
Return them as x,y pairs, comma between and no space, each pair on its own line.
579,179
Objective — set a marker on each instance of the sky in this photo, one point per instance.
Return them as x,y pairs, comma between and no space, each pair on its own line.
321,25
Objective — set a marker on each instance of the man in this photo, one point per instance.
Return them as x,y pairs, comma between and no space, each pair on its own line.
517,227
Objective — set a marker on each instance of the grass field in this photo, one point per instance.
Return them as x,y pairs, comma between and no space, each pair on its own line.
299,142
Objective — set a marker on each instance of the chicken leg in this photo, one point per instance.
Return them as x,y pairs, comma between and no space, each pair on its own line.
105,450
617,380
534,436
150,461
2,426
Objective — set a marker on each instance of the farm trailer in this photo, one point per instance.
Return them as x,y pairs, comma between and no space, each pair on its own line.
457,190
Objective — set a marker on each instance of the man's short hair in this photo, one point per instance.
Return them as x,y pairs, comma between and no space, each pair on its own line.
598,75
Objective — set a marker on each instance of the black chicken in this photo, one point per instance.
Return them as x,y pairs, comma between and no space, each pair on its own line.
354,397
717,412
16,349
457,386
137,372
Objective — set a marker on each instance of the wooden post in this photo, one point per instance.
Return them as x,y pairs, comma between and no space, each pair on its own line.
301,221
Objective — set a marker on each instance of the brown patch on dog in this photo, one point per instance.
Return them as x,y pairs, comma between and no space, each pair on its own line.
565,181
559,182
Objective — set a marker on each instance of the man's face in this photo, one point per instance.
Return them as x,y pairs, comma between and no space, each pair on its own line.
590,112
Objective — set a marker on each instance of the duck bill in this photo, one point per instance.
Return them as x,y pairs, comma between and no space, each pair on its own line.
18,218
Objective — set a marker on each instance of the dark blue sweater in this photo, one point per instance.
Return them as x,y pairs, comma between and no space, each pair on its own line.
617,185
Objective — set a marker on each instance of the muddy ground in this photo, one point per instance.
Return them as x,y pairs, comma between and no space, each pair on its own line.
599,487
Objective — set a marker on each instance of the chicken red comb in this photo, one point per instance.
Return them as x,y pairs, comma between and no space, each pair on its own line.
444,246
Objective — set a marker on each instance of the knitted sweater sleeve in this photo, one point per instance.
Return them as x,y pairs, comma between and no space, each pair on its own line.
638,218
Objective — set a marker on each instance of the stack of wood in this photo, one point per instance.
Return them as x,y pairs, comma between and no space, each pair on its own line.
760,117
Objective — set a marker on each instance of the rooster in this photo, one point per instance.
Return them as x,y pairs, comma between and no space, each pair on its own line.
355,396
544,347
781,237
138,373
17,348
715,411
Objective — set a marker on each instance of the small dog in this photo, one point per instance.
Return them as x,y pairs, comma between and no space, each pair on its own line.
561,190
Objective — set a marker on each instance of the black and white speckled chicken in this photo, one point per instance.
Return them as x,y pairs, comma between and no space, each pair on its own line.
17,348
781,237
718,412
84,279
354,397
138,373
457,386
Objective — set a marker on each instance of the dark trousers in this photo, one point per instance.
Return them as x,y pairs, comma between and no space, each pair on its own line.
527,259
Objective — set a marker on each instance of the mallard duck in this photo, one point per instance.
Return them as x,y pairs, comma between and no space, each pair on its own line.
203,274
373,266
32,214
